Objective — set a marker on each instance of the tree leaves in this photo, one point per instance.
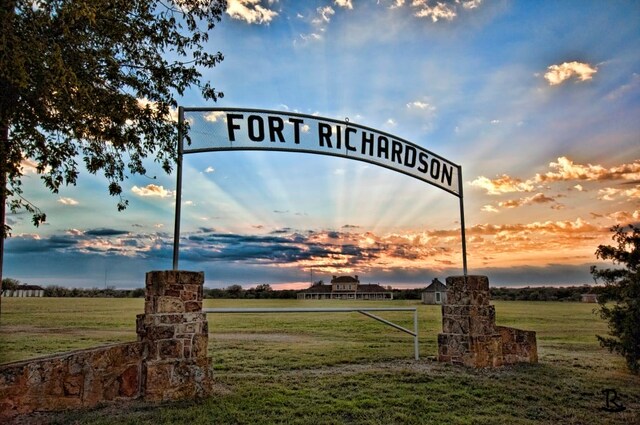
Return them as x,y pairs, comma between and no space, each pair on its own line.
620,300
97,79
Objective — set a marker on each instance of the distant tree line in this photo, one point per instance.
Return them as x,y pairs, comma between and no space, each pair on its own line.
265,291
109,292
262,291
543,293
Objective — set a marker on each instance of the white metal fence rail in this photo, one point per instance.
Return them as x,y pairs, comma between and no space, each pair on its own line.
363,311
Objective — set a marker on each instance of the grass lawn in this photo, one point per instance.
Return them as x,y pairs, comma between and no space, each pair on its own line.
346,368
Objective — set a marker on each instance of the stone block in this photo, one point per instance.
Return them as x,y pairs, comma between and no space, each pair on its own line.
468,283
166,304
470,335
193,306
173,380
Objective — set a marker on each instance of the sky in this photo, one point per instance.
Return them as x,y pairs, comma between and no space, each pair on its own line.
537,101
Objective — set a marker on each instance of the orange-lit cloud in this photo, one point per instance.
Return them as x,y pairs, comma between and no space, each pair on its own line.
538,198
610,193
557,74
624,216
566,169
503,184
562,170
152,190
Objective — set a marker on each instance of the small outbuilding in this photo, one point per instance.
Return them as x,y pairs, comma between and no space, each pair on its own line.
24,291
436,293
589,298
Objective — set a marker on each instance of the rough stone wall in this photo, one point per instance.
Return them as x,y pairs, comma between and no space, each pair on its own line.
169,361
470,336
72,380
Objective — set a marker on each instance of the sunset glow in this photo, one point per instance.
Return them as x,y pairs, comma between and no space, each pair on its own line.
537,101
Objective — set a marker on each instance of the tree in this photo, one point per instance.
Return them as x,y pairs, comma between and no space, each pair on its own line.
95,81
235,291
619,301
10,284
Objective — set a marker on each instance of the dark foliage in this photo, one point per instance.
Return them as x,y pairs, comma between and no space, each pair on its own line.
95,81
620,300
62,292
542,293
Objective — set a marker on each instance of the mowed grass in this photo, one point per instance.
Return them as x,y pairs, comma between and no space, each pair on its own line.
346,368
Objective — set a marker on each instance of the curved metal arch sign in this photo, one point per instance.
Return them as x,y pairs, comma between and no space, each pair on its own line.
226,129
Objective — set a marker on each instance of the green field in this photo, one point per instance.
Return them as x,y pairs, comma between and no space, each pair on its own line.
346,368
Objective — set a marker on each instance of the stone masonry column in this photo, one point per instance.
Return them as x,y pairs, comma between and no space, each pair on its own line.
470,336
468,333
176,334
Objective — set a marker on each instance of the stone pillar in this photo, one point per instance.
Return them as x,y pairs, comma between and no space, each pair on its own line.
176,333
470,336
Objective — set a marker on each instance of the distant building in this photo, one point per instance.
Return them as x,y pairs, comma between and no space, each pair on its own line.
345,288
436,293
24,291
589,298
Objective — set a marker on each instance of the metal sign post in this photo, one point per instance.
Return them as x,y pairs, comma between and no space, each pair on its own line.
462,226
176,226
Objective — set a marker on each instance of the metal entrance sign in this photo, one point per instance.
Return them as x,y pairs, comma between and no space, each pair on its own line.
226,129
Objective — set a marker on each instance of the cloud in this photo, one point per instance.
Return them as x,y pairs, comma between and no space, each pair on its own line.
214,116
421,105
471,4
557,74
105,232
250,11
35,244
566,169
146,103
562,170
538,198
503,184
68,201
328,251
325,14
152,190
624,217
489,208
439,11
610,193
28,166
319,23
344,3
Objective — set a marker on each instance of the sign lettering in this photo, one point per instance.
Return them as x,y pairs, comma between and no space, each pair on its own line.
237,129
